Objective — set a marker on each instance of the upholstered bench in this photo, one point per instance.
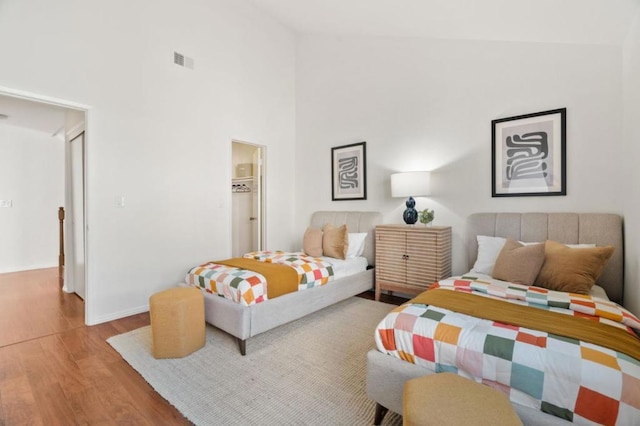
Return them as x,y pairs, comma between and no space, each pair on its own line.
448,399
177,322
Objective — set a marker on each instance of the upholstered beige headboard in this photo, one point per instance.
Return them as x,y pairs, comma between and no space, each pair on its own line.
356,222
569,228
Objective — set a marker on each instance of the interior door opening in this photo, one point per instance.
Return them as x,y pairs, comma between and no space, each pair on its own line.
247,191
42,114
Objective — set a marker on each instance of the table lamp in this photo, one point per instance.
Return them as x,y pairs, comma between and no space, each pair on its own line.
410,184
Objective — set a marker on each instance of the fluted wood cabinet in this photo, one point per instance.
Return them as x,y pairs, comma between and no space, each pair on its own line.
411,258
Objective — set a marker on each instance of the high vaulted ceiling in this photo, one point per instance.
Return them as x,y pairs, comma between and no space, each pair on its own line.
548,21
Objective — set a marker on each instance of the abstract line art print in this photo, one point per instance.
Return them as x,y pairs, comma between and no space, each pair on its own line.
529,154
348,172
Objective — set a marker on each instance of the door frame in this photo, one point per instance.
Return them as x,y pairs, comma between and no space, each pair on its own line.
262,221
44,99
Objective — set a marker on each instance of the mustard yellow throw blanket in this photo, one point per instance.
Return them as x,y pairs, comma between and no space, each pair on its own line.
281,279
533,318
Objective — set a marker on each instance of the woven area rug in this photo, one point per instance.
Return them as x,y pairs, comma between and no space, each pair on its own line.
308,372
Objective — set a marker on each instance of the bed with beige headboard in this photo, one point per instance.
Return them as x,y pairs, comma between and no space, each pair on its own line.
244,322
387,373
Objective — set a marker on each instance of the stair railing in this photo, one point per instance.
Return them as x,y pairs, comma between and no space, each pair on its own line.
61,254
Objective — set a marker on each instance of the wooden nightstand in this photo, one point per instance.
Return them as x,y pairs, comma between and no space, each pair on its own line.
411,258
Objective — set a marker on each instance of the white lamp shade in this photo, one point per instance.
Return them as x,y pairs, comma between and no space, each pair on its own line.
410,184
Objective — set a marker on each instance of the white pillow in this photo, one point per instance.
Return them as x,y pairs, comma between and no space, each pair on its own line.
489,248
356,244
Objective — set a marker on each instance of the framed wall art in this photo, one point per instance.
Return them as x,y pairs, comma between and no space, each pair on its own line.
529,154
349,172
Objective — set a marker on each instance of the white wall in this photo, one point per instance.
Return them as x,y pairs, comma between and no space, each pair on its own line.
32,177
158,134
631,176
426,104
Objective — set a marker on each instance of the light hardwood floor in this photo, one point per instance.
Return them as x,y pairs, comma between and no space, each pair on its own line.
54,370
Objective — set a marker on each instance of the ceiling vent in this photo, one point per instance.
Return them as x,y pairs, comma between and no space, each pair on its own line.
183,61
178,59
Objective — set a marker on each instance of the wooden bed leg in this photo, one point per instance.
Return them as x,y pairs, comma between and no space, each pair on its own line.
242,344
380,412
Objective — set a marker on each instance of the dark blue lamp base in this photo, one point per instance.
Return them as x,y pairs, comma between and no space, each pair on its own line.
410,215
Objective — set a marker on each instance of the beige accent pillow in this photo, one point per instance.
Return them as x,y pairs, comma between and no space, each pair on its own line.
518,263
312,242
573,270
335,241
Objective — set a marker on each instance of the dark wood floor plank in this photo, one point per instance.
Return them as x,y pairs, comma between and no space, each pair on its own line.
10,365
19,405
155,408
44,379
75,342
122,409
61,365
114,394
33,361
53,406
96,338
89,408
32,305
131,323
83,343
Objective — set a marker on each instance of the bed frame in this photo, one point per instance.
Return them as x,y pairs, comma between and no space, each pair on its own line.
387,375
244,322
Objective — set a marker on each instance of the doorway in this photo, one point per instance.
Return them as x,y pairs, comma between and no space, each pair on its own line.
39,113
247,192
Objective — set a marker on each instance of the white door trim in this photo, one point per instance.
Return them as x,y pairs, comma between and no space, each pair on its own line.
36,97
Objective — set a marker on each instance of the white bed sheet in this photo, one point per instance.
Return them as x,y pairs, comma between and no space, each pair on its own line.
346,267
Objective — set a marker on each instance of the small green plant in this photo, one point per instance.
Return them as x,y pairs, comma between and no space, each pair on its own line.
426,216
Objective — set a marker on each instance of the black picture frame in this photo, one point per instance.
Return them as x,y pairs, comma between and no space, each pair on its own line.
528,154
349,172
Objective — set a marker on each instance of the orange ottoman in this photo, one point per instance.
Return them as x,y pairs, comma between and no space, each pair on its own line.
177,322
448,399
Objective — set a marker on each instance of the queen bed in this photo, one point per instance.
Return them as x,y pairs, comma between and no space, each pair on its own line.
584,383
244,320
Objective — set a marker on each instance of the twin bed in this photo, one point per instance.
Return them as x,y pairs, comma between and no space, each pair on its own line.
245,321
549,376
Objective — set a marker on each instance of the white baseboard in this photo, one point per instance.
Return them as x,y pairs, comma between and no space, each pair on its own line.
26,268
117,315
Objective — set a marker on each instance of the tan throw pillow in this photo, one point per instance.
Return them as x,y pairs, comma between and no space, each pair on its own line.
312,242
335,241
573,270
518,263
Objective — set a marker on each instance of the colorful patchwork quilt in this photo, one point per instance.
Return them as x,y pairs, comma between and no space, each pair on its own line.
239,285
568,378
312,271
248,287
